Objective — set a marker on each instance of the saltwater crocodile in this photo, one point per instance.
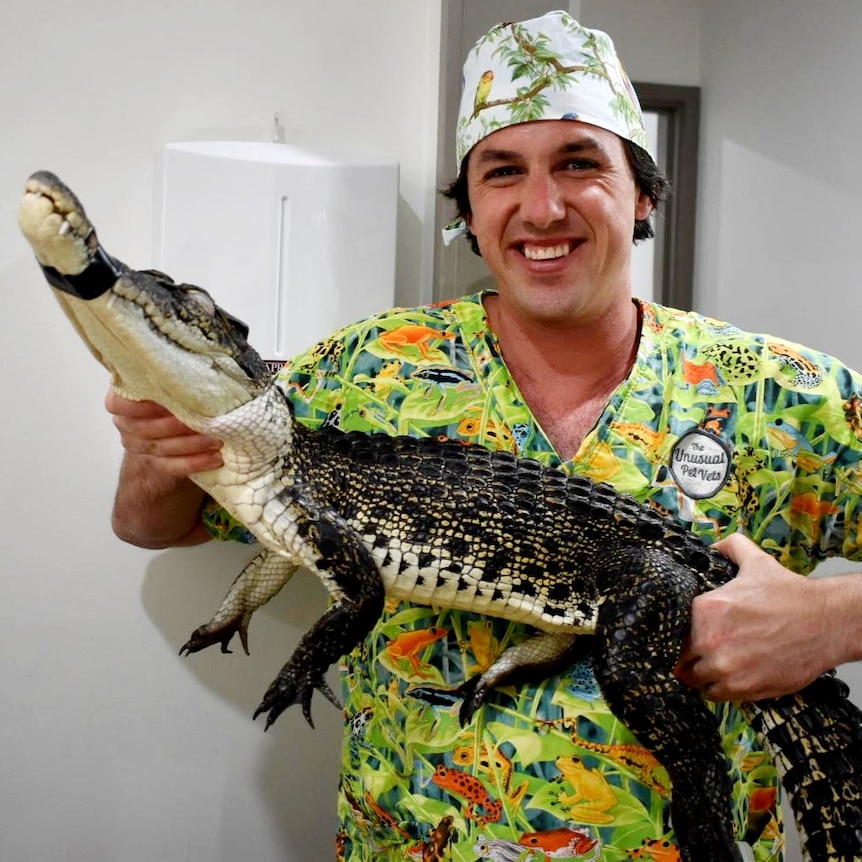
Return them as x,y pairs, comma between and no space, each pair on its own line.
449,525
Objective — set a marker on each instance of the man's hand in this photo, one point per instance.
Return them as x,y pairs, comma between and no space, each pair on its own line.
769,632
157,505
147,428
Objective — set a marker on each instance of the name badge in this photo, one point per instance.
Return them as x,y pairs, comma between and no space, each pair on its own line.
700,463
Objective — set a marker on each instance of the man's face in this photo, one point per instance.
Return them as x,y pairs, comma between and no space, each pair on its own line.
553,208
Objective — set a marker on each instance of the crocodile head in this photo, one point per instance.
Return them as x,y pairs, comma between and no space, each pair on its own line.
161,341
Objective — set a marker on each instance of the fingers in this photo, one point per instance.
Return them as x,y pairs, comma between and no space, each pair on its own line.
148,429
685,668
738,548
695,673
117,405
764,633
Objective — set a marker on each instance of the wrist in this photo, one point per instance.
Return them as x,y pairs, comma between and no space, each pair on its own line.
841,615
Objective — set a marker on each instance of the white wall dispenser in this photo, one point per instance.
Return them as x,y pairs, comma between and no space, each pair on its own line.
295,243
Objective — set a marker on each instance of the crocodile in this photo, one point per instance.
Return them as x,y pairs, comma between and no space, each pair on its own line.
451,525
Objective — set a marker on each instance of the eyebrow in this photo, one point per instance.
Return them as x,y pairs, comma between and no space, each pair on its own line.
488,156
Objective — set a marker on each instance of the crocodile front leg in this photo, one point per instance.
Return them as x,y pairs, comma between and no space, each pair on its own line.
643,620
351,573
255,585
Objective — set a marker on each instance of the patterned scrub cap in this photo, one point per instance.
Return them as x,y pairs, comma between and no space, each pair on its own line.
547,68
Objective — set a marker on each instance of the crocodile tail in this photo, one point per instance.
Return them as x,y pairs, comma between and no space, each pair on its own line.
815,739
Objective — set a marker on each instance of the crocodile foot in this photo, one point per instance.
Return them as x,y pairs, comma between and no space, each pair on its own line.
208,634
474,693
538,657
295,684
55,224
261,579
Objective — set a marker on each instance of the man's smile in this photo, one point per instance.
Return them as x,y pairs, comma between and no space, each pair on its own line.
532,251
538,252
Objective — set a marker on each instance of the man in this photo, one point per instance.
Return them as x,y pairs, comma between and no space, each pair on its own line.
730,433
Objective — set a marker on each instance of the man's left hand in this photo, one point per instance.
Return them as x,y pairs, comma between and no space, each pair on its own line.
769,631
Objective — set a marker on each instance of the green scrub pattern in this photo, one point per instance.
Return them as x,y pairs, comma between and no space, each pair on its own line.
721,429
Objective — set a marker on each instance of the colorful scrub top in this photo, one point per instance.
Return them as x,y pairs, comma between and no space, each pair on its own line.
721,429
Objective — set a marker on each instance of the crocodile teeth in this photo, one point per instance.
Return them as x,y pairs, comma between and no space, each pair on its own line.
65,227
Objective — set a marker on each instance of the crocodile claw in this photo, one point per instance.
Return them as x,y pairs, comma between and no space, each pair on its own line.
256,584
475,693
294,685
206,635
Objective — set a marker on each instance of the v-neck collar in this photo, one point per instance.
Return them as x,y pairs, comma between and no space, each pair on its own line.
508,403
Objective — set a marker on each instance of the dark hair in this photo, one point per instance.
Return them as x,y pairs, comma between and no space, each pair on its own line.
651,179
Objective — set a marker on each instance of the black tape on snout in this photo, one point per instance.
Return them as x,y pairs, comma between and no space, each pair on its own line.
96,279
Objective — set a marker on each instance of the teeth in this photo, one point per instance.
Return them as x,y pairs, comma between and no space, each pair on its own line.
65,227
547,253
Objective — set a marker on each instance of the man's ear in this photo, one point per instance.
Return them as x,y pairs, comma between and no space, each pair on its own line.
643,206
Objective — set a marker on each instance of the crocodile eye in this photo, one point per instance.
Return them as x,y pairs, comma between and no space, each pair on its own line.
201,300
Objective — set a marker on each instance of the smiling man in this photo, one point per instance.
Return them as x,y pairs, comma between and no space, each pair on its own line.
560,363
553,208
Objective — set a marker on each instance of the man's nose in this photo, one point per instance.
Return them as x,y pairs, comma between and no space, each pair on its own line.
542,204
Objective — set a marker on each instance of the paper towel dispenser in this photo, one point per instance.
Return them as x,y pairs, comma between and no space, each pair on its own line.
294,243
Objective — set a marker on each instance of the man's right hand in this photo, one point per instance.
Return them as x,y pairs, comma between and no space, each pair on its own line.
157,505
147,428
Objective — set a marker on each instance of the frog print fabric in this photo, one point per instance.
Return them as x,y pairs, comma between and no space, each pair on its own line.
720,429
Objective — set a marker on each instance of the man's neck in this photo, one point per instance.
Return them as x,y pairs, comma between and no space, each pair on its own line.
567,370
578,351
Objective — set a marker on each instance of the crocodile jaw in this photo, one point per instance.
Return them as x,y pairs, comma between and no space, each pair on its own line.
56,227
147,365
161,342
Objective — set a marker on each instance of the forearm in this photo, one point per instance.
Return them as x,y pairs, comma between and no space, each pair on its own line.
153,509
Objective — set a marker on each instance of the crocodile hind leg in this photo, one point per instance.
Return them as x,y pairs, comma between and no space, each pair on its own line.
815,738
351,575
643,620
540,656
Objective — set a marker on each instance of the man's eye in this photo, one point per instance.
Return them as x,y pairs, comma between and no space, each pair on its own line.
580,165
506,171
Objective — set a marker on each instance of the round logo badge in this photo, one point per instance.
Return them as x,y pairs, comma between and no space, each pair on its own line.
700,463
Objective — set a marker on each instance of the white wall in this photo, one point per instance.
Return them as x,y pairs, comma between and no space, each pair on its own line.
115,748
779,207
658,40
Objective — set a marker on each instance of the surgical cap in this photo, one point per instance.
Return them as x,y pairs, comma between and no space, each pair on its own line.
547,68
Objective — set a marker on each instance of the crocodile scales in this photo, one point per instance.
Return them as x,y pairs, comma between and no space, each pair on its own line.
450,525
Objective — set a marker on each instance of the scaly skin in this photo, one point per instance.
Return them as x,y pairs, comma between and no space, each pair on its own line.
452,526
256,584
